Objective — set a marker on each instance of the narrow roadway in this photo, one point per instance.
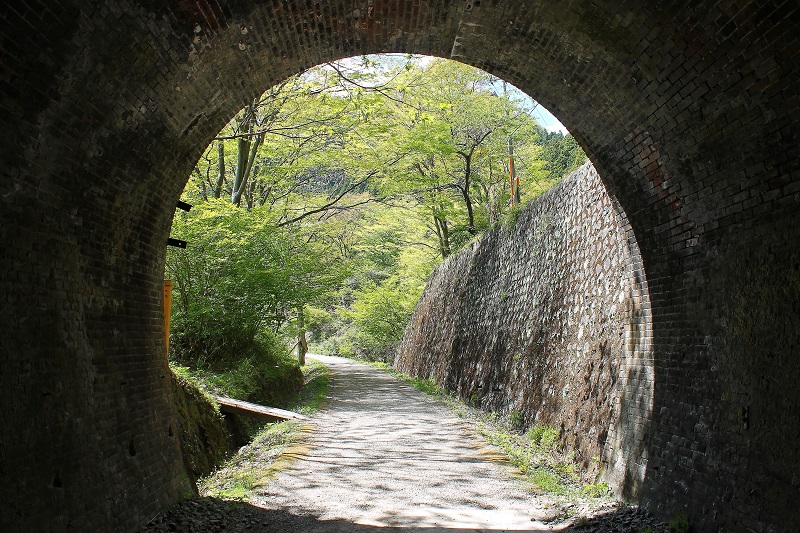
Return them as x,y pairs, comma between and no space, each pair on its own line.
383,454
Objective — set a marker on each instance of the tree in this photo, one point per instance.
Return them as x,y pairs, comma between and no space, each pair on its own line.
451,134
339,181
241,274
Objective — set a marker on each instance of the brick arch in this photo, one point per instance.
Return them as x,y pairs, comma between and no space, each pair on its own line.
688,110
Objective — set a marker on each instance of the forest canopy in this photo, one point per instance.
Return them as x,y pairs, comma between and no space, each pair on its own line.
323,206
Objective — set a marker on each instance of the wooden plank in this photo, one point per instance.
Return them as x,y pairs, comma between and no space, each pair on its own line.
270,414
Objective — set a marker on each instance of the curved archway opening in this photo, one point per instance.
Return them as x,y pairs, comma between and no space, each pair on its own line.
361,175
688,112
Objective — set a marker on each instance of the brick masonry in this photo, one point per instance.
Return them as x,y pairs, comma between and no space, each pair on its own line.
549,318
688,109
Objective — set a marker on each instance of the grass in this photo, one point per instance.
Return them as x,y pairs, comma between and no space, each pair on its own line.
253,465
315,389
187,374
245,379
256,463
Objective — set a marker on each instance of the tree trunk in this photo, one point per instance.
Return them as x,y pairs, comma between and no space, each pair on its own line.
243,148
302,344
221,169
516,197
250,189
465,193
443,232
247,156
470,214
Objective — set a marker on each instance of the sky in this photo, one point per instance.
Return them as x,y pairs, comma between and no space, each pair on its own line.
547,120
537,110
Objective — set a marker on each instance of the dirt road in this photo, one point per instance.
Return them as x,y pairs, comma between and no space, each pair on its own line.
381,453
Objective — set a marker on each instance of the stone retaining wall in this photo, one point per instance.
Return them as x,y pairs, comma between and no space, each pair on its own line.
548,319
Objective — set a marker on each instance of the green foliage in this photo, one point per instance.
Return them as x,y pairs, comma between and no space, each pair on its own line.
679,524
238,282
546,437
315,389
381,312
264,374
514,419
596,490
562,155
378,300
331,197
511,216
428,386
547,481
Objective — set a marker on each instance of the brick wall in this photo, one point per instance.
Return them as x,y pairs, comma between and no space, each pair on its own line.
688,109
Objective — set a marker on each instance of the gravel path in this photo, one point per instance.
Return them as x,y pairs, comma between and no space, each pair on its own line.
382,456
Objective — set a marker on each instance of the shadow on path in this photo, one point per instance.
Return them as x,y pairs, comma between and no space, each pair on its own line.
217,516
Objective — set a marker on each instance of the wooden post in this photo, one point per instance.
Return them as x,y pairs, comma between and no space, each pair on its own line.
167,310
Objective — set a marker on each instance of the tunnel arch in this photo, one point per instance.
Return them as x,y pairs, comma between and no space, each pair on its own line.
689,112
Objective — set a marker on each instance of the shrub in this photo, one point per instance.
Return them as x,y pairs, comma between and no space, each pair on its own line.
259,370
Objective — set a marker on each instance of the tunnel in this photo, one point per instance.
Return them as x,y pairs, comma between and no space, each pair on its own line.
689,111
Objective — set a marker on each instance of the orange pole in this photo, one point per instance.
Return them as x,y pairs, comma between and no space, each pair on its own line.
167,310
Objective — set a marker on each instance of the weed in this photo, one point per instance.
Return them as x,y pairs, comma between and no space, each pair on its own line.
596,490
426,385
474,400
582,522
566,468
510,218
186,374
514,419
536,453
545,437
547,481
679,524
315,389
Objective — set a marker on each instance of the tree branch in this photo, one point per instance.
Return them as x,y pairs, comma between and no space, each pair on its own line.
329,205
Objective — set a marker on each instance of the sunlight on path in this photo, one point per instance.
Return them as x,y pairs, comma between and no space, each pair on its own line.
383,454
